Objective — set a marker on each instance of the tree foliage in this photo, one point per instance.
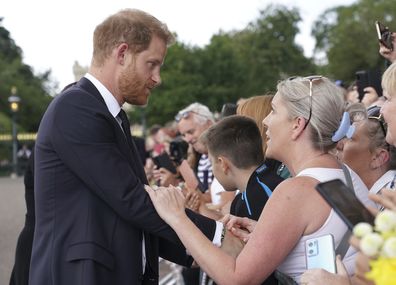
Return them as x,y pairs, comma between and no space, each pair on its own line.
30,88
347,36
234,64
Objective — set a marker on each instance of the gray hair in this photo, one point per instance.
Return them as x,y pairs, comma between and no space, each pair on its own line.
202,114
327,107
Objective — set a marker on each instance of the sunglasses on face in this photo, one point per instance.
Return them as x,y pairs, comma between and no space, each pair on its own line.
373,113
311,79
184,115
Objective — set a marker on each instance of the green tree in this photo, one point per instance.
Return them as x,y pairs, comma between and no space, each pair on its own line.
234,64
347,37
269,49
30,88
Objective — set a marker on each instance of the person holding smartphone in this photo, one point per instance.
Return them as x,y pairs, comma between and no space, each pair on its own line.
302,128
387,198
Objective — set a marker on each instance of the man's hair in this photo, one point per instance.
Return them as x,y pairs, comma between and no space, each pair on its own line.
237,138
202,114
131,26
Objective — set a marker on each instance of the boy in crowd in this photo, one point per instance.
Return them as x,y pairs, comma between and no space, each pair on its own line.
235,151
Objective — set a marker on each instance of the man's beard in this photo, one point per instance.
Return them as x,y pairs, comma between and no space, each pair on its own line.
132,88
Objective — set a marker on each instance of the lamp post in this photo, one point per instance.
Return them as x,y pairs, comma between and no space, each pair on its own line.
14,106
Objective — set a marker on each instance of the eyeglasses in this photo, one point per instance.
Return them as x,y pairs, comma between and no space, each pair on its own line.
311,80
184,115
374,113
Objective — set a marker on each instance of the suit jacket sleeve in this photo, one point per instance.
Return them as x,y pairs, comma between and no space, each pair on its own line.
90,142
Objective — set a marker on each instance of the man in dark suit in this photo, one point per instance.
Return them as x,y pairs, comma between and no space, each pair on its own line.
95,224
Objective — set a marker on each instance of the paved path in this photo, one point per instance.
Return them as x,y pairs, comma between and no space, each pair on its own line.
12,217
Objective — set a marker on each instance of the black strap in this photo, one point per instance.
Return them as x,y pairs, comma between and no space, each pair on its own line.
343,246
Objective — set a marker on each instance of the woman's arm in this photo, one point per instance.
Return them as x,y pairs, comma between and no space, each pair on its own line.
275,234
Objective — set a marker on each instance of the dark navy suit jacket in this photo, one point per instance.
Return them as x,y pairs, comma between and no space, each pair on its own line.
91,206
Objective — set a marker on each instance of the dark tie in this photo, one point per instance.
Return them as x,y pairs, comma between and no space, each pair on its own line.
125,123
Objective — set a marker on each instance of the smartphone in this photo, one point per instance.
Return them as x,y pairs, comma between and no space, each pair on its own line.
366,78
384,35
163,160
320,253
344,202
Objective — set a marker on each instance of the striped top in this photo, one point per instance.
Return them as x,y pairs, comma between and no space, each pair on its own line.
204,171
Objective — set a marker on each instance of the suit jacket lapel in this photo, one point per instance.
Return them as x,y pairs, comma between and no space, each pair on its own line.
129,148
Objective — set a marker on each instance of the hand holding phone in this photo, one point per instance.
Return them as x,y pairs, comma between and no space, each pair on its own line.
384,35
320,253
163,160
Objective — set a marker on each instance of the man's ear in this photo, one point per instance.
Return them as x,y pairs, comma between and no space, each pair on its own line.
122,51
298,127
379,158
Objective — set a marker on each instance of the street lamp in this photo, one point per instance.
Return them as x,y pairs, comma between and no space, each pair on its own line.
14,106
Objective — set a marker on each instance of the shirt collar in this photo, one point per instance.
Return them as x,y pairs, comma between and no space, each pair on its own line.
111,102
383,181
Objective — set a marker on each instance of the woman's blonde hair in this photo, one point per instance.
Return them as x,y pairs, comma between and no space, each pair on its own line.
327,107
257,108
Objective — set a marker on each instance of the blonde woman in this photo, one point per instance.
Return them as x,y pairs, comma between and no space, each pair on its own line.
303,127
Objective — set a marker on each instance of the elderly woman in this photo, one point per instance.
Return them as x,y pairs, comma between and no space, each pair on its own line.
367,152
303,127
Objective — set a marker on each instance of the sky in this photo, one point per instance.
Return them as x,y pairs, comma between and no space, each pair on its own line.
54,34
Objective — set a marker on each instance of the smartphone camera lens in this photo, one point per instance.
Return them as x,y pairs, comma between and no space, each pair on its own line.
310,244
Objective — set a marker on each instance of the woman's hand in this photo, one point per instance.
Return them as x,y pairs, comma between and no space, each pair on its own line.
321,276
169,203
240,227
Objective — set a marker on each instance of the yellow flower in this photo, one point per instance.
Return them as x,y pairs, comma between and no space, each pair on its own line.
383,271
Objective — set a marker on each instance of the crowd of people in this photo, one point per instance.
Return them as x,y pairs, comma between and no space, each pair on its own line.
231,199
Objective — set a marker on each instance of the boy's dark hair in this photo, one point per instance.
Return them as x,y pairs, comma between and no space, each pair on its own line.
237,138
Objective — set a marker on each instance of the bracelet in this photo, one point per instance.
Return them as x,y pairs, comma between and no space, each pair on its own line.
223,232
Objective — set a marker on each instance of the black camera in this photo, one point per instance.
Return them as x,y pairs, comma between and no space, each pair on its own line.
178,149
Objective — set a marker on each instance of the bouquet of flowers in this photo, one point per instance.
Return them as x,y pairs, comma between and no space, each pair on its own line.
379,243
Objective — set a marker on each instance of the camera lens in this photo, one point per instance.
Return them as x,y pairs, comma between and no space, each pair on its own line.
310,244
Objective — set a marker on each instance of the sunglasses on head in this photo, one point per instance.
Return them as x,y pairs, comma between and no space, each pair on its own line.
184,115
311,79
374,113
